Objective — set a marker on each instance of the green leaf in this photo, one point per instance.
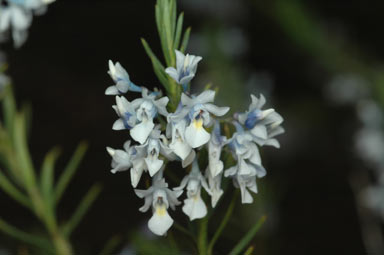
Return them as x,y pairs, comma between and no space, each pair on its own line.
179,28
185,40
25,237
9,109
22,151
173,17
69,170
241,245
13,192
167,28
82,208
47,176
159,21
157,66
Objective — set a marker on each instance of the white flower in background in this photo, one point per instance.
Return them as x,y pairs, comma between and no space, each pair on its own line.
146,109
160,198
152,148
17,17
197,111
121,159
373,198
264,125
127,115
120,76
194,206
186,66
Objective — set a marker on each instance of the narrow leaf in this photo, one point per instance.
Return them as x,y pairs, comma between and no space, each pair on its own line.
24,237
13,192
166,32
22,152
173,17
157,66
248,237
69,170
47,175
9,108
179,28
185,40
82,208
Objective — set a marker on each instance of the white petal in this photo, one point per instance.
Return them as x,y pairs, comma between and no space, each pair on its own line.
112,90
260,131
181,149
206,97
215,110
272,142
141,131
136,176
179,60
153,165
195,207
171,71
216,194
186,162
186,100
160,221
244,168
196,135
246,197
118,125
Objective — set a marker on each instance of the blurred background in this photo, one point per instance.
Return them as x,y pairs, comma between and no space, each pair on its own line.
319,64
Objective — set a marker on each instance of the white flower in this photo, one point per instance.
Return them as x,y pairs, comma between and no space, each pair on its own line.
121,159
264,125
127,115
120,76
146,109
248,165
152,149
17,19
160,198
214,184
215,146
245,182
197,111
194,206
186,66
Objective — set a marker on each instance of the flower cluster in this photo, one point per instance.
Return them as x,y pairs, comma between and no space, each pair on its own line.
16,17
192,129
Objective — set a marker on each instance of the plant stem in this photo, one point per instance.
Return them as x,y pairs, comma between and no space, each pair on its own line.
62,246
223,223
202,236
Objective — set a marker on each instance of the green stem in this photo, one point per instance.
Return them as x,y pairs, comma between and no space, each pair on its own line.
223,223
248,237
202,236
62,246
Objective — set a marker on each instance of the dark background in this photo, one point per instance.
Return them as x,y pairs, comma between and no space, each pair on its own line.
311,207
